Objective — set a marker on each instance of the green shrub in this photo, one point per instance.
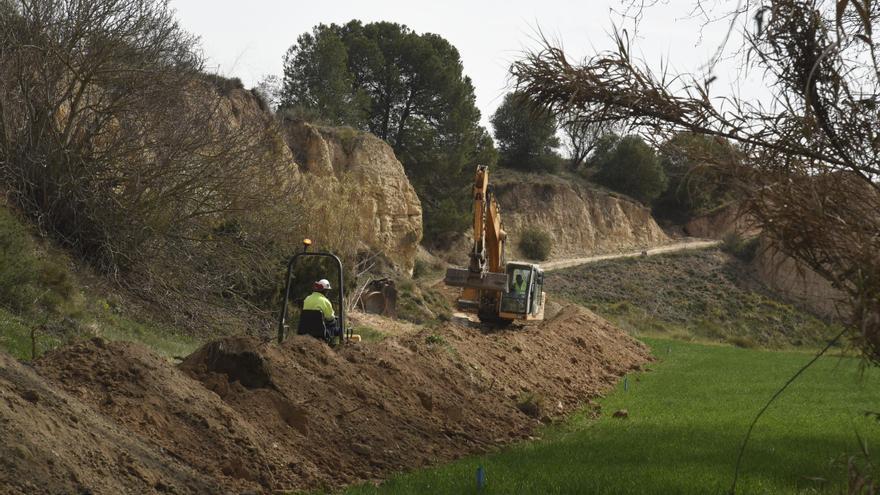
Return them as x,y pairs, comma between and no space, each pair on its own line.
435,339
629,166
535,243
18,267
741,247
420,268
28,281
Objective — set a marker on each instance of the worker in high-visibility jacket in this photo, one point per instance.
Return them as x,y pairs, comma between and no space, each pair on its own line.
520,286
318,301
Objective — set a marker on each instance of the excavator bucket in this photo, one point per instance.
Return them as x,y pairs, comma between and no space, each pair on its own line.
457,277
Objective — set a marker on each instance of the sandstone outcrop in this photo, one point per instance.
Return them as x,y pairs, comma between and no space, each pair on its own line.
359,174
581,219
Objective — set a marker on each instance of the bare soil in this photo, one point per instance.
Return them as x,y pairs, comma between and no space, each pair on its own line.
243,415
51,442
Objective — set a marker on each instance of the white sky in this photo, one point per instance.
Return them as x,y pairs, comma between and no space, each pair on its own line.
248,40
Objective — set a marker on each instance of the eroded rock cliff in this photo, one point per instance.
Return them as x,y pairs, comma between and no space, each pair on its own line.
720,223
358,176
580,218
797,281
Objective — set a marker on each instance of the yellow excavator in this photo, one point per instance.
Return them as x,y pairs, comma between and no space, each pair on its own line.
497,291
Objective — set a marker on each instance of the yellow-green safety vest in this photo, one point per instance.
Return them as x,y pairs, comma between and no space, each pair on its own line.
317,301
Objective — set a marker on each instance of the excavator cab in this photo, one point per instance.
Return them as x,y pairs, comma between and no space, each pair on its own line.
524,297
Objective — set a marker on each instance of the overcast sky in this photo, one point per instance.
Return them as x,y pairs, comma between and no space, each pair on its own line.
249,40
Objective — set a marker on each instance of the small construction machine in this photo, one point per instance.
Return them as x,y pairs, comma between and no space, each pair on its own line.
497,291
312,322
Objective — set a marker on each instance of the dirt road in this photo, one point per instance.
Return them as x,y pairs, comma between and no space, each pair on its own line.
669,248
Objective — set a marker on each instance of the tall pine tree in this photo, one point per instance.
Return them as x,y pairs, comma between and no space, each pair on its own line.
407,88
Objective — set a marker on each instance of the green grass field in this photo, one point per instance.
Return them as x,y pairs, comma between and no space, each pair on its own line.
687,418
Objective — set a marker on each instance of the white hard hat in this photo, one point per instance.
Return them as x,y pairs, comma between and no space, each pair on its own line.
322,284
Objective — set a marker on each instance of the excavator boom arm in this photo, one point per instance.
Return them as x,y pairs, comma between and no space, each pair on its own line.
486,269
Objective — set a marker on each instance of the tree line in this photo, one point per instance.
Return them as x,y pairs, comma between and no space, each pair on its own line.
671,177
410,90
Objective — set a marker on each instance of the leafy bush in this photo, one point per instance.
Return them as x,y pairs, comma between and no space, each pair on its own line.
628,165
694,185
741,247
535,243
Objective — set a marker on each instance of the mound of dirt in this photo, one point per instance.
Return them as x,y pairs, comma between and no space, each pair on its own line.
177,415
54,443
254,415
421,398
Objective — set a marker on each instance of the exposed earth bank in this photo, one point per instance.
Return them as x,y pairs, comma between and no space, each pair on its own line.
581,219
240,414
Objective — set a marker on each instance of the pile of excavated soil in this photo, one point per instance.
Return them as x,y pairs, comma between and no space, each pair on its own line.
389,326
252,415
146,394
51,442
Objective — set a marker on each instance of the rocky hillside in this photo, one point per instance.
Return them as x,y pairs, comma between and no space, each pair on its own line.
352,184
344,170
580,218
358,177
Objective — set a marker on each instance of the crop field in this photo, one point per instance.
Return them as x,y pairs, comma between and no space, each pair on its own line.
686,420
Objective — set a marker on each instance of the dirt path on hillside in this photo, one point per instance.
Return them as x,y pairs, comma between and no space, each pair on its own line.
665,249
246,415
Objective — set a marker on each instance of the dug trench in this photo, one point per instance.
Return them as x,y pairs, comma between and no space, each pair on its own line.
243,415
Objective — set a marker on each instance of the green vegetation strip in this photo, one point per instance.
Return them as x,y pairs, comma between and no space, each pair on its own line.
686,420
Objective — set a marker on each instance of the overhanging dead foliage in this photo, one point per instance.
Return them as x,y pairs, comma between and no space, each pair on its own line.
810,161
